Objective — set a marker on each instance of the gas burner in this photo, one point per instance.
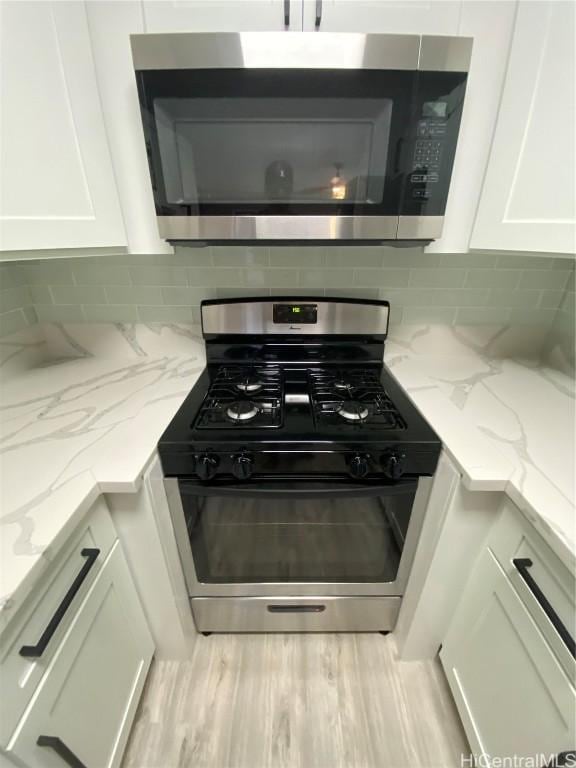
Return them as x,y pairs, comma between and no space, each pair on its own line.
351,398
343,385
353,411
249,385
242,410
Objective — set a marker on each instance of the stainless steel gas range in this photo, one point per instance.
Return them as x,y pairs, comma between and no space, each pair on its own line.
297,470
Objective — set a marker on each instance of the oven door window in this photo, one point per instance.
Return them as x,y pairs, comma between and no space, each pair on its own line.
248,539
233,142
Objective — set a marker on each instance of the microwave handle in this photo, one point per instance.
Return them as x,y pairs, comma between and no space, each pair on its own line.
286,14
318,19
398,155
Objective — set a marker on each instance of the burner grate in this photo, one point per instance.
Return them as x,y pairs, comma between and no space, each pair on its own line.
243,397
351,398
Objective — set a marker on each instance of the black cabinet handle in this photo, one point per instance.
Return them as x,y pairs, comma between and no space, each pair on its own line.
522,564
35,651
306,608
318,19
61,750
286,13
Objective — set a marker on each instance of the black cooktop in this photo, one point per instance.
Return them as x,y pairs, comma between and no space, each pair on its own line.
263,404
295,404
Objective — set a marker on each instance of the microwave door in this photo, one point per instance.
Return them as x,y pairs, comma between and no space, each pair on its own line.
256,153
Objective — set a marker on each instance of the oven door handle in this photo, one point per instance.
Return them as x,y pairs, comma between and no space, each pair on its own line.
293,490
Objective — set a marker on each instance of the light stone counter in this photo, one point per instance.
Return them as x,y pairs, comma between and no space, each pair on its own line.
78,427
82,409
464,383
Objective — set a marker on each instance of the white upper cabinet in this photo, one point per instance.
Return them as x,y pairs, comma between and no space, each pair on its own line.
222,15
57,187
418,17
528,201
491,25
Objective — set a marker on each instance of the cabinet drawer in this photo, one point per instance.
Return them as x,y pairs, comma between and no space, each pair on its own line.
520,550
295,614
513,695
85,703
47,614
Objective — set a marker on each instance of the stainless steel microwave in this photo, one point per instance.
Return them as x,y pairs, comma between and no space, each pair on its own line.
300,136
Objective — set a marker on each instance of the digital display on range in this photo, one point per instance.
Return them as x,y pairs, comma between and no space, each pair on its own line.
296,313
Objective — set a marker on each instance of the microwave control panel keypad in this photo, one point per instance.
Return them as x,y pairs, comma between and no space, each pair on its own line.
427,156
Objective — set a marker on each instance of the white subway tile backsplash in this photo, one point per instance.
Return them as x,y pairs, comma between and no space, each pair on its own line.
386,278
261,278
544,278
100,274
326,278
507,279
106,313
78,294
438,277
159,275
483,315
227,256
165,314
216,276
59,313
296,256
185,295
134,294
439,315
471,288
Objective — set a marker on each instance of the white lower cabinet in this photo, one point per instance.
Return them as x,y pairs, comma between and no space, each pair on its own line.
513,694
82,710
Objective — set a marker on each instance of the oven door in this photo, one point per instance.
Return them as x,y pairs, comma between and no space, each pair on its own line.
305,539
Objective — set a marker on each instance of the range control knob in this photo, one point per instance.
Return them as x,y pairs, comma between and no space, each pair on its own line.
206,466
242,466
359,466
393,465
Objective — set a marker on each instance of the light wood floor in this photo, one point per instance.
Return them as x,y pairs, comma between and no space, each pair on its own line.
296,701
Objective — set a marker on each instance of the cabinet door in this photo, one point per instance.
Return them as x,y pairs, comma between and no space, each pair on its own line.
528,199
222,15
422,17
513,696
58,188
88,697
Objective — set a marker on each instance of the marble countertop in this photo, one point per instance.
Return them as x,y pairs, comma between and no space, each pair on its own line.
509,423
82,409
83,419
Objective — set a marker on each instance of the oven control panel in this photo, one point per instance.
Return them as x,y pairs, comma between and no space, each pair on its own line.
386,463
302,314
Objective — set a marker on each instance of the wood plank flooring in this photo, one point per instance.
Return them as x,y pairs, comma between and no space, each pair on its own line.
296,701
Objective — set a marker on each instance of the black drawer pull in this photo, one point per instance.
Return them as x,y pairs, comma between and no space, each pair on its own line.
296,608
61,750
286,13
522,564
318,19
35,651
